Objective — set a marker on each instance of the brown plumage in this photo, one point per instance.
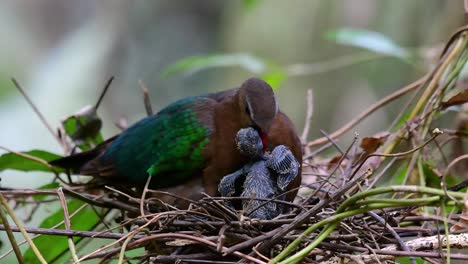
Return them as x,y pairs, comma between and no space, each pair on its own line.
220,115
232,114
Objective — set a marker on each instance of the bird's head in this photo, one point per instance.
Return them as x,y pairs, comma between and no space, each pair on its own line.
249,143
258,105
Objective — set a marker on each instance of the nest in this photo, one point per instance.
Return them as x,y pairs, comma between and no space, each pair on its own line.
351,208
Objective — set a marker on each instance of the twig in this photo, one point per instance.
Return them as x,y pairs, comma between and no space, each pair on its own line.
395,95
221,238
343,211
27,156
394,234
61,232
136,230
381,173
143,195
317,151
104,91
146,98
66,219
170,259
143,240
435,79
103,202
33,230
129,197
11,237
36,110
333,141
338,164
385,255
22,230
124,245
443,182
271,237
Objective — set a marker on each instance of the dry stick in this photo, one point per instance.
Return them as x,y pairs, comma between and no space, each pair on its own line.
317,151
221,238
143,240
183,258
174,195
437,74
136,230
443,182
146,98
103,202
370,110
61,232
27,156
96,106
36,110
124,246
278,233
308,119
45,230
226,212
143,195
393,232
384,254
133,220
436,133
23,231
381,174
11,237
254,249
22,192
338,164
66,219
435,80
341,191
332,141
128,196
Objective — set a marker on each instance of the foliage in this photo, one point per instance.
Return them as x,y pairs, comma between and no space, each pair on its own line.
12,161
396,179
269,71
85,219
369,40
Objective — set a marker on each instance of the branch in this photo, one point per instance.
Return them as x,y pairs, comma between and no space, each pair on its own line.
423,243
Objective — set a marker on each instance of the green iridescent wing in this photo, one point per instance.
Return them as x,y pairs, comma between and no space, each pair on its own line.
168,145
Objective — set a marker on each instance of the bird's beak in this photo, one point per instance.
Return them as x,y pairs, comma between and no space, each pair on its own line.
265,127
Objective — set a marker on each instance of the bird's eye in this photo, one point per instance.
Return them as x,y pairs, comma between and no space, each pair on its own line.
247,110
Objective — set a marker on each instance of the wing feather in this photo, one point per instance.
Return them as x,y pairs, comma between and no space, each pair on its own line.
169,143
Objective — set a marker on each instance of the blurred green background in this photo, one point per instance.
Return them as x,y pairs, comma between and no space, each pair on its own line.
62,52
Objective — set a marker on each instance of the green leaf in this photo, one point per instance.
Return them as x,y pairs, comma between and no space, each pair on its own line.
193,64
272,73
399,175
274,78
53,247
432,179
369,40
406,260
14,162
250,4
84,128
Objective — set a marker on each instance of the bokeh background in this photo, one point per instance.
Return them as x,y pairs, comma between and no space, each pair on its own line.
62,52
